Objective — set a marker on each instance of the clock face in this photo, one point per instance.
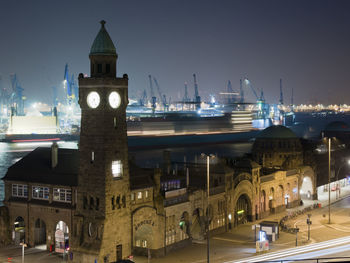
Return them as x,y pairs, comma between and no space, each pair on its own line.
114,99
93,99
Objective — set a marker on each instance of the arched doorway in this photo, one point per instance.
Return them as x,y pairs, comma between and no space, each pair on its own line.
61,237
198,224
243,210
19,230
40,233
280,196
209,215
306,190
144,237
272,201
184,226
263,201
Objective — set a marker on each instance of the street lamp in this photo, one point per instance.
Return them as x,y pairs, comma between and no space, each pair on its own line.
208,160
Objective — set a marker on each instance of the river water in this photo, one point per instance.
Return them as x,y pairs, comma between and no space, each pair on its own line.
12,152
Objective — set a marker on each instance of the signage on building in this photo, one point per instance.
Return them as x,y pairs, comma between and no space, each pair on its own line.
144,222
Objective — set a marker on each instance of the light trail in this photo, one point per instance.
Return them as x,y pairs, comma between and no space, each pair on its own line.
294,251
320,253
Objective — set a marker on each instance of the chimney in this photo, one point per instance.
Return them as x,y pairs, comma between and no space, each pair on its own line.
54,155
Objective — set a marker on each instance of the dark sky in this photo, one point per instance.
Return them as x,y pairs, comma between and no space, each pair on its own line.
306,43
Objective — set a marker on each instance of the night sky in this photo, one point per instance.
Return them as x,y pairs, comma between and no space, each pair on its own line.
306,43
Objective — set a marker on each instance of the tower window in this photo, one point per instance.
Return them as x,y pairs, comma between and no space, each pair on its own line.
117,168
99,68
91,203
92,157
108,68
97,204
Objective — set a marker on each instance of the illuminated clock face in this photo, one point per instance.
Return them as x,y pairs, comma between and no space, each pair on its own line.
114,99
93,99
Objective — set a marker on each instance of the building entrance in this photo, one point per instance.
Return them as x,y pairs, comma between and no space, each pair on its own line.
19,230
40,233
61,237
243,210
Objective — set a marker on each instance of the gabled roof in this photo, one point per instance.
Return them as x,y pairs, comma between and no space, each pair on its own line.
36,167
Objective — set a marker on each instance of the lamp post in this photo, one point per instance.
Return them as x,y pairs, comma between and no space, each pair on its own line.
208,172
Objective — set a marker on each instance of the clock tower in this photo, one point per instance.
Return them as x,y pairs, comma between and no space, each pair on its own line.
102,226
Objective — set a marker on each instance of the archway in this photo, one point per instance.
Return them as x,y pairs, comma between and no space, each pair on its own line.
40,233
263,201
184,225
19,230
272,200
144,236
287,195
61,237
280,196
243,210
198,224
306,190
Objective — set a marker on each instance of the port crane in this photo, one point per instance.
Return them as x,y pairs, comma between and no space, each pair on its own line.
143,98
16,98
197,98
281,93
4,101
186,98
161,96
153,102
262,111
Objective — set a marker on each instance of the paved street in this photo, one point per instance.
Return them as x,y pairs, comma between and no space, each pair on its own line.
239,242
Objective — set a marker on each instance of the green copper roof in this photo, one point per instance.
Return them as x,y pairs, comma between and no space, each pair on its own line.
103,44
277,132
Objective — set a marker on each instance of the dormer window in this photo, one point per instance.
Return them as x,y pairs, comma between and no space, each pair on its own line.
117,168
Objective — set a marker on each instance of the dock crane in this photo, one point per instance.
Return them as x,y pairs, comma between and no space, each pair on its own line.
186,98
260,100
4,101
281,93
153,98
161,96
17,99
197,98
143,98
241,92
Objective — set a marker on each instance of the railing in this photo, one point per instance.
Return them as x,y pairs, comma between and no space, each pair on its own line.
176,200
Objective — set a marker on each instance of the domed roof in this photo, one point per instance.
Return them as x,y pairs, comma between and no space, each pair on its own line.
103,44
277,132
